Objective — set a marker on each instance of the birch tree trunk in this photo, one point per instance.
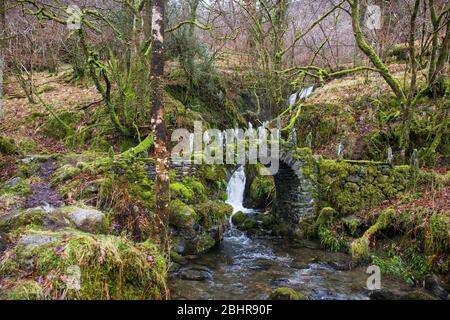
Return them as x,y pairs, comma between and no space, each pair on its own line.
2,48
158,126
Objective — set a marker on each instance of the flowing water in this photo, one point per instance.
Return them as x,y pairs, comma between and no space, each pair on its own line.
250,267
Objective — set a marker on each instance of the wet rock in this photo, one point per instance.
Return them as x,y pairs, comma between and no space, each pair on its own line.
35,240
194,275
418,295
88,220
436,286
340,266
287,294
382,294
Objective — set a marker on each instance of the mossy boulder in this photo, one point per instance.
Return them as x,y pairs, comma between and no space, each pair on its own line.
85,219
110,267
181,215
238,218
326,215
286,294
244,222
211,213
15,220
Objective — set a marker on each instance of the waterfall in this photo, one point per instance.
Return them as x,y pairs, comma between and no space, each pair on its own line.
236,190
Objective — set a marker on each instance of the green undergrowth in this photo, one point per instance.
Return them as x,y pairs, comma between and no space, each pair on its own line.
111,268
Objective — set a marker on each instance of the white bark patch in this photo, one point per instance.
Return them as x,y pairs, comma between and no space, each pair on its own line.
157,19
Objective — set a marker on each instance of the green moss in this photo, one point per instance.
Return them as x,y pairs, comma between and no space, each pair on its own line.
211,213
178,189
26,290
52,128
181,215
7,146
111,267
238,218
14,221
20,189
360,247
287,294
352,226
204,243
326,216
262,191
249,224
65,173
350,186
437,234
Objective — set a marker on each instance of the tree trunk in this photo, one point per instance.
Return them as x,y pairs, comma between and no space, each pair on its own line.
2,48
409,107
439,50
158,126
372,55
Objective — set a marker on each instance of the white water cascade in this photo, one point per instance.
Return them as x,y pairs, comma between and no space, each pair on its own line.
236,190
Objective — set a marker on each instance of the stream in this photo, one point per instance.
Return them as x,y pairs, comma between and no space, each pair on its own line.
248,267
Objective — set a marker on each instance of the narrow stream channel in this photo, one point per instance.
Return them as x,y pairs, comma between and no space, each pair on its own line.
250,267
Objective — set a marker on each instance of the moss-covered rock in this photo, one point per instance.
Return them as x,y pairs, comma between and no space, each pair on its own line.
213,213
15,220
360,249
245,222
84,219
178,189
238,218
286,294
19,187
26,290
110,267
181,215
326,216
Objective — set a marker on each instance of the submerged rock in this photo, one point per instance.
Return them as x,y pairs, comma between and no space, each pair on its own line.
436,286
195,275
287,294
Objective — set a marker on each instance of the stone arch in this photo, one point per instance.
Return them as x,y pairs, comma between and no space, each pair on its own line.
294,191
